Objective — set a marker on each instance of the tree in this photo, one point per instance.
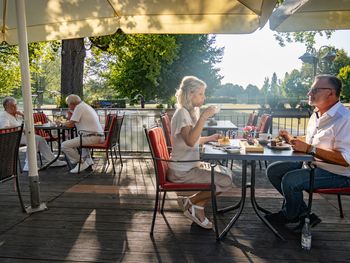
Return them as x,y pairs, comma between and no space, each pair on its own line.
294,87
72,67
344,75
253,93
153,65
9,70
197,56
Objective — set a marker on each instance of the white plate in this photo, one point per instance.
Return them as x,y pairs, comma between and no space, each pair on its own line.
284,146
219,144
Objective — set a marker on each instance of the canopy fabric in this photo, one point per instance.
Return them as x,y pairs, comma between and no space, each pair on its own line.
311,15
66,19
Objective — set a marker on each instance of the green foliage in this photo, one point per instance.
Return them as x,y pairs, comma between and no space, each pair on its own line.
10,78
153,65
197,56
305,37
344,75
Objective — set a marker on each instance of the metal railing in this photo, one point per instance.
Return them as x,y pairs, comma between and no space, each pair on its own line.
132,134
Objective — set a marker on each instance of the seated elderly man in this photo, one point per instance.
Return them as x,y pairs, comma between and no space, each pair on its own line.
328,140
85,119
11,117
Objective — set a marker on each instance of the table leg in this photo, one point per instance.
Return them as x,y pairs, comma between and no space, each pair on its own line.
240,204
58,152
255,205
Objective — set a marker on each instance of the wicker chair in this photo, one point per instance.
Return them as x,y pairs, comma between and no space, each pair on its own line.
9,144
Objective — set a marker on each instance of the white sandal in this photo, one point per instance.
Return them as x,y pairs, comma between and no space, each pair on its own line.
191,214
184,202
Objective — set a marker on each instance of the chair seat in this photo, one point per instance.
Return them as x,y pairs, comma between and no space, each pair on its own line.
344,190
97,145
182,186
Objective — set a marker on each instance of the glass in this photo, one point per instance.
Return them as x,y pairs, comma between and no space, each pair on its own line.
316,90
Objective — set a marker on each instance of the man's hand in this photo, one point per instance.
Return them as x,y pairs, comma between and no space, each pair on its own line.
285,135
299,145
19,113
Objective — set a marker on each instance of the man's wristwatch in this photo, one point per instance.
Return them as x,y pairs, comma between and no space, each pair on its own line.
312,150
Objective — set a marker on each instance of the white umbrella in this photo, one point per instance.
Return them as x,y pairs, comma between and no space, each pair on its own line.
311,15
43,20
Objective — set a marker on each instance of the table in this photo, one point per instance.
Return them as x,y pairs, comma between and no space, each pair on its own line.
212,153
224,126
61,135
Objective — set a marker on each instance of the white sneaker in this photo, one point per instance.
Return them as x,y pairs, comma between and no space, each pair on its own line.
25,168
59,163
83,167
89,161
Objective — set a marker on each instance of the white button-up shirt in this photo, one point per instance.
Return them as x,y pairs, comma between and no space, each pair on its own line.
331,131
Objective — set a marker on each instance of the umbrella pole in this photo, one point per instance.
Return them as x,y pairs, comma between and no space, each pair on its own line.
28,110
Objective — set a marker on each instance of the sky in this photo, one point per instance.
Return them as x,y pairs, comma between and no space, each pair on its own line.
249,58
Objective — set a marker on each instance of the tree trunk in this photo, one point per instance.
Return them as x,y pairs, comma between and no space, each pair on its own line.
72,67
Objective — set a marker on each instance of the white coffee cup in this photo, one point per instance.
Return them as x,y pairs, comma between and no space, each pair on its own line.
265,136
217,108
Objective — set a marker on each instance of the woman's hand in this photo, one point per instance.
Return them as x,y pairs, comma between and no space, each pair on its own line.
208,112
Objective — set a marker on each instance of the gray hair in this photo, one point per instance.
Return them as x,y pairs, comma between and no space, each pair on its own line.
73,99
333,81
188,86
7,100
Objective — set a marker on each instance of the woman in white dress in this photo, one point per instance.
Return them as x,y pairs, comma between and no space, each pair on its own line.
186,127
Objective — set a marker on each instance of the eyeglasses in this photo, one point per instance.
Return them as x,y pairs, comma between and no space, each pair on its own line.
316,90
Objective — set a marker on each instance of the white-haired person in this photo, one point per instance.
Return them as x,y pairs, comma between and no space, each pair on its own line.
84,118
186,127
12,117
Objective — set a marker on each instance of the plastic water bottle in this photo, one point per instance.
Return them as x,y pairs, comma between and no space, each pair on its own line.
306,235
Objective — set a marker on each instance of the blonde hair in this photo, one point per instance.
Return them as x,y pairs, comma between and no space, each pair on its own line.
188,86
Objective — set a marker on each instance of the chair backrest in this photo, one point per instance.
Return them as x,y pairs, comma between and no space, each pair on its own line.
40,117
252,119
9,144
113,134
166,125
264,124
108,121
159,150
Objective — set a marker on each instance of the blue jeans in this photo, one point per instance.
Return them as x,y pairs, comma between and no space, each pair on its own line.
290,179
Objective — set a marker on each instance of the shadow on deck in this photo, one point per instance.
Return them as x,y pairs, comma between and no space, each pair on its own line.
98,217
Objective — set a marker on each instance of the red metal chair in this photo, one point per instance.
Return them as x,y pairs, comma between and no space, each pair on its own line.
264,124
9,144
112,140
166,125
41,117
252,119
160,155
335,191
338,192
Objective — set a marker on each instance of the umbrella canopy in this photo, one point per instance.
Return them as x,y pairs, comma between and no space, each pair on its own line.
43,20
65,19
311,15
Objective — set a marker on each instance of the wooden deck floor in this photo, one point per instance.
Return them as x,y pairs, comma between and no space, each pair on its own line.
98,217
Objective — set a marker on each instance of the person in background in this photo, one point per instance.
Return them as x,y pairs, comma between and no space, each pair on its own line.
85,119
186,127
12,117
328,140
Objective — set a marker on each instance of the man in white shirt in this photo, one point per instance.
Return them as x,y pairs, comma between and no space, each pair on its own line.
12,117
85,119
328,140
